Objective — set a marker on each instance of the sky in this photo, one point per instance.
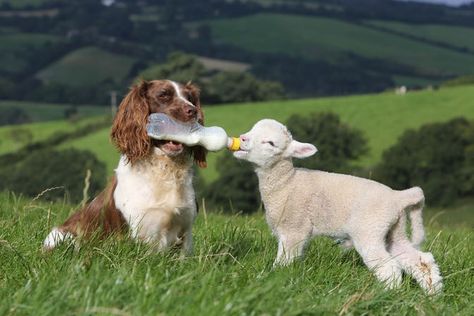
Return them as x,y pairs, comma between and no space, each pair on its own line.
447,2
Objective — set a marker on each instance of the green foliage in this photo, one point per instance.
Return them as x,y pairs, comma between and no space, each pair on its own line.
227,87
338,143
236,189
57,171
13,115
438,157
179,67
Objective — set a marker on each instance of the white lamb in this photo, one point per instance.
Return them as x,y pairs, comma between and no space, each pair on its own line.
302,203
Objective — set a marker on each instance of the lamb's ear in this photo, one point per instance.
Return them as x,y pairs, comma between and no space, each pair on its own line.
300,150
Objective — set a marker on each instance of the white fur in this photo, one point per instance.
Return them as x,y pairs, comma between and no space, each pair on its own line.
179,94
302,203
55,237
156,198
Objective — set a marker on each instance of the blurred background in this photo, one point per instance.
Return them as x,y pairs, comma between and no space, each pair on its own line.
384,89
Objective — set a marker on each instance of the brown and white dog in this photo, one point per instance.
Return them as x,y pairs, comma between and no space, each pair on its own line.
151,193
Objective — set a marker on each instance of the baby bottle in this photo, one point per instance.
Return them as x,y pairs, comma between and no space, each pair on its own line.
213,138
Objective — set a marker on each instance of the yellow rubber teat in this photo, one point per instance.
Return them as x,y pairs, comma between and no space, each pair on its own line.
235,144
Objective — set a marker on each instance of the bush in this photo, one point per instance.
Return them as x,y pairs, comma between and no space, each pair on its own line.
438,157
236,189
338,144
47,169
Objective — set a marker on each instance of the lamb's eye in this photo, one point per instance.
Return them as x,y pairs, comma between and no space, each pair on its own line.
269,142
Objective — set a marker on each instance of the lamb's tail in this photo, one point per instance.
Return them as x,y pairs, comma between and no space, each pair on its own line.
55,237
413,203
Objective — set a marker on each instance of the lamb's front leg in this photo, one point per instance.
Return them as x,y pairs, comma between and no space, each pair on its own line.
187,243
290,247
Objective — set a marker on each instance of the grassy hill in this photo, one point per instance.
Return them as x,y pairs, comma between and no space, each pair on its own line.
454,35
87,66
381,117
39,112
230,272
329,39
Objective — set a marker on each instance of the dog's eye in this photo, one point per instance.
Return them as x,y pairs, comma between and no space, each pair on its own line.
164,93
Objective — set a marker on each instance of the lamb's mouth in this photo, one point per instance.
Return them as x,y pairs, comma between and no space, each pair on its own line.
169,147
241,153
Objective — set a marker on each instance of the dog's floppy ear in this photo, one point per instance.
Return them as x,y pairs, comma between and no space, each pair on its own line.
129,127
199,152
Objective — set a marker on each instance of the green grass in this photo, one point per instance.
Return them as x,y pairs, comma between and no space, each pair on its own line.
317,37
16,45
230,273
39,131
454,35
87,66
382,118
39,112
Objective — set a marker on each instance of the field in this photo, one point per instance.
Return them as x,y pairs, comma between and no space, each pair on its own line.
382,118
230,273
453,35
39,112
87,66
324,38
38,131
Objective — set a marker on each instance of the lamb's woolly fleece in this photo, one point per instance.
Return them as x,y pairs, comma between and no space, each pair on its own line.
302,203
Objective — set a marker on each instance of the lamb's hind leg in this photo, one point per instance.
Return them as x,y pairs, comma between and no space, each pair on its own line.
378,259
420,265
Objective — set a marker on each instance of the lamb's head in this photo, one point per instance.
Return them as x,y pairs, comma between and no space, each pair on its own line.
269,142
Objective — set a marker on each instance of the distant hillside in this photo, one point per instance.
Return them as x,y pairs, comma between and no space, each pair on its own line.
328,39
87,66
76,51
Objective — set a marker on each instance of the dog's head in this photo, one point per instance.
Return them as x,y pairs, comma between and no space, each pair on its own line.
269,142
178,101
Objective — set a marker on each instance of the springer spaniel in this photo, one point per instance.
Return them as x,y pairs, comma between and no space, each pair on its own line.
151,193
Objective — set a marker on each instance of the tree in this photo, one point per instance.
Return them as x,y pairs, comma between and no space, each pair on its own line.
227,87
338,144
438,157
179,67
236,189
47,169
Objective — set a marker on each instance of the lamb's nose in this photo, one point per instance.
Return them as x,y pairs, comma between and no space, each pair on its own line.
244,138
